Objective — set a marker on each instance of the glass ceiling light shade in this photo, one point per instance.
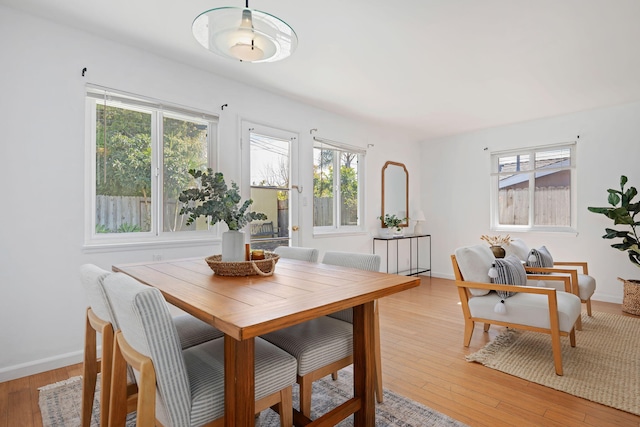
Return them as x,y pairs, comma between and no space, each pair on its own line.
244,34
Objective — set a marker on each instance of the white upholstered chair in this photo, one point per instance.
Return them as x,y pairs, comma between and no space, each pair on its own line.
299,253
100,319
324,345
533,308
582,284
181,387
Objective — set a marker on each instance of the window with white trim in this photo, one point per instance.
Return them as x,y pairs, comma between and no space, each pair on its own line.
338,175
139,154
534,189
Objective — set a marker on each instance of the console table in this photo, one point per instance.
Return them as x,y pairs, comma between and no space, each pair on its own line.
409,238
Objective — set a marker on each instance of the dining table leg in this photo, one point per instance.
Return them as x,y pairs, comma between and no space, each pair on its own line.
363,364
239,382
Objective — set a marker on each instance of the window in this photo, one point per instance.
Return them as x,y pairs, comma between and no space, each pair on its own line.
140,153
337,186
533,189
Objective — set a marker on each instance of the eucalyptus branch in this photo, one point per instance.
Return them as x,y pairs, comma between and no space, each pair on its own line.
213,199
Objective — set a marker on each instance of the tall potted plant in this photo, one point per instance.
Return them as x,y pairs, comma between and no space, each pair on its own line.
214,200
623,213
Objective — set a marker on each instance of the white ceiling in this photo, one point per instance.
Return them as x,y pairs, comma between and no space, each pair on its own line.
433,67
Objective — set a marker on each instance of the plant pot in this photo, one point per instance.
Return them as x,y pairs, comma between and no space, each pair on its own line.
233,249
498,251
631,298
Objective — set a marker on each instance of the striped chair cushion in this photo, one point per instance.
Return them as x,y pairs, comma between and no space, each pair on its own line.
369,262
302,254
193,331
274,370
315,343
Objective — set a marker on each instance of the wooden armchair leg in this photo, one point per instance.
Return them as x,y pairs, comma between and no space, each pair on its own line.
557,351
487,326
572,337
468,331
579,323
334,376
588,307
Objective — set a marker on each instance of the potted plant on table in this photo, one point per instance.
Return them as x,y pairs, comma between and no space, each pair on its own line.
392,222
623,212
213,199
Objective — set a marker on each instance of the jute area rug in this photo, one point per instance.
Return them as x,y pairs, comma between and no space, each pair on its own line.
60,406
604,366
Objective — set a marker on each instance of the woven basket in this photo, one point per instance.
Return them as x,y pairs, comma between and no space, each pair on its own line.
631,299
263,267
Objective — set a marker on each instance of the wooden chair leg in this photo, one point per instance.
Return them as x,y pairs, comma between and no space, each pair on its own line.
557,351
468,331
572,337
334,376
146,409
487,326
579,323
588,307
89,372
285,407
305,395
106,366
118,401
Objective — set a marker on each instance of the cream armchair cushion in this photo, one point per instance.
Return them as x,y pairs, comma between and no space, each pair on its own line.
474,263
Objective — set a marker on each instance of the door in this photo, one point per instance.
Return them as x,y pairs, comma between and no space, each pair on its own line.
270,176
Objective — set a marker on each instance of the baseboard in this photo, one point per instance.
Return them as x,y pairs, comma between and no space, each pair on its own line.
35,367
443,275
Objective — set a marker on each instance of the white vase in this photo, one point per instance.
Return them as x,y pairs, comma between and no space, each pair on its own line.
233,246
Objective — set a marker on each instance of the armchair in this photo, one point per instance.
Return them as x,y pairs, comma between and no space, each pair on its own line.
582,284
532,308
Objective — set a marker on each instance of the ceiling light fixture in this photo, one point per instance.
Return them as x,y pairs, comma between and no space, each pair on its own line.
245,34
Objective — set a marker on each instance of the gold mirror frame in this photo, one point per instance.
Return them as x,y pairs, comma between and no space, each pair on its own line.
392,191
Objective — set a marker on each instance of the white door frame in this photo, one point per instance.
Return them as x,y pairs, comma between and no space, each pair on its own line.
248,126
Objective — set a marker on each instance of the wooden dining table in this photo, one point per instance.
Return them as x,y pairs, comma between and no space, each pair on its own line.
249,306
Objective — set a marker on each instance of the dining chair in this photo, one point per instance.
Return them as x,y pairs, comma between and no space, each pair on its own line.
299,253
100,319
368,262
512,298
324,345
181,387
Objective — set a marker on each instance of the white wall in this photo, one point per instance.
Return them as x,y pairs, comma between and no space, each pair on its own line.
455,188
42,172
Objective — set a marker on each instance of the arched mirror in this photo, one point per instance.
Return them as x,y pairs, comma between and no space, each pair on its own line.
395,191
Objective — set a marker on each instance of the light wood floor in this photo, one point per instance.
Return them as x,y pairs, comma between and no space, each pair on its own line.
423,359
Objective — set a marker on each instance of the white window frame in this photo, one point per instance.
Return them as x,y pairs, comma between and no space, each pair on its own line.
156,236
336,228
494,190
